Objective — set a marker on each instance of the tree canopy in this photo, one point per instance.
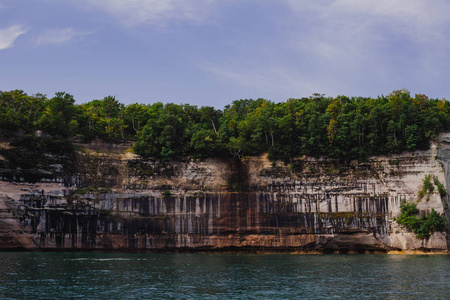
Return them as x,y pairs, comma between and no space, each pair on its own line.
343,128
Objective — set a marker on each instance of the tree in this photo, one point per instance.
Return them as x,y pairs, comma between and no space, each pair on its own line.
58,118
18,111
105,119
136,116
164,134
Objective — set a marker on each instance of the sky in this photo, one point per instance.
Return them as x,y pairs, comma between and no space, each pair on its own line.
211,52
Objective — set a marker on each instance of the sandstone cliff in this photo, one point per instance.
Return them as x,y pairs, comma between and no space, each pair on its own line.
116,201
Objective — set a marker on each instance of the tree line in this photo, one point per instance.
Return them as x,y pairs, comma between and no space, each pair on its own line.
343,128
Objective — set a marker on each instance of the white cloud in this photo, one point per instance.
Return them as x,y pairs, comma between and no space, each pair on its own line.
268,80
9,35
339,13
155,12
380,35
352,47
360,22
58,36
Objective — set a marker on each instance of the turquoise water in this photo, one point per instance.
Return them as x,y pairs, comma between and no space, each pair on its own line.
222,276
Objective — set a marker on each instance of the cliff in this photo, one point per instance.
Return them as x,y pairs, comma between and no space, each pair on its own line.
115,201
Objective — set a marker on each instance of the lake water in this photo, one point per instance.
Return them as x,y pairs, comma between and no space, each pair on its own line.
222,276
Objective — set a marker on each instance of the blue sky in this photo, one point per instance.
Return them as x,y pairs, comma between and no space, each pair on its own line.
211,52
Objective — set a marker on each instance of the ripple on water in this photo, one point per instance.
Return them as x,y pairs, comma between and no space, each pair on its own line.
211,276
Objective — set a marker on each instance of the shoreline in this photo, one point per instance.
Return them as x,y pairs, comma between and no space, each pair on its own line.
230,251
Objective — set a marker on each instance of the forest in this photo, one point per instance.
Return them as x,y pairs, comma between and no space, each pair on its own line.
341,128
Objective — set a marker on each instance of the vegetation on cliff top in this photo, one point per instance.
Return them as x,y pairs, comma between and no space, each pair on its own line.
341,127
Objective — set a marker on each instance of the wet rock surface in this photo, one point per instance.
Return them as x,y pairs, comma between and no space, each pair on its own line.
116,201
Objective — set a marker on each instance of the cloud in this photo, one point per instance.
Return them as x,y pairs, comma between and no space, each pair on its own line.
363,23
9,35
384,36
416,18
58,36
269,80
361,47
155,12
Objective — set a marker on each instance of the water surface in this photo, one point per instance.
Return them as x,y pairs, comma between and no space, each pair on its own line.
222,276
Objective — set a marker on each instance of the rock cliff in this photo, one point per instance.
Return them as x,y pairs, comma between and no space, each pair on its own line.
116,201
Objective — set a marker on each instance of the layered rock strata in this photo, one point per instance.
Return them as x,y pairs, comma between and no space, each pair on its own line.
115,201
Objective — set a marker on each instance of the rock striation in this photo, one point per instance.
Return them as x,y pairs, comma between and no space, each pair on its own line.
116,201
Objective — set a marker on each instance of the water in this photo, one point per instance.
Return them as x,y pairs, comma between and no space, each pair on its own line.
222,276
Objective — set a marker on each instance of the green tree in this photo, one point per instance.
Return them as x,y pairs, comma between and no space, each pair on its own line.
58,118
164,134
103,119
424,225
18,111
136,116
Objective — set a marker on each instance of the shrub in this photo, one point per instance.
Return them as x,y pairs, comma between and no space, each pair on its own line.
427,186
297,166
422,226
441,188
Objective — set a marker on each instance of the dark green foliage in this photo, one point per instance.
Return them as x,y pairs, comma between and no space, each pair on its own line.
441,188
59,116
19,112
434,222
104,119
135,117
341,128
297,166
33,158
164,136
408,216
427,186
36,152
423,226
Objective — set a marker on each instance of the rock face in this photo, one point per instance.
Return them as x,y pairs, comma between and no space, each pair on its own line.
116,201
